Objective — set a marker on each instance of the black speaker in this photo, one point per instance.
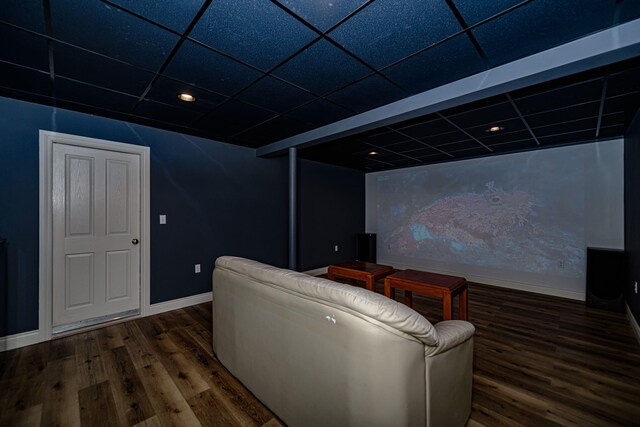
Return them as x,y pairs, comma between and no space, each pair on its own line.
606,277
366,247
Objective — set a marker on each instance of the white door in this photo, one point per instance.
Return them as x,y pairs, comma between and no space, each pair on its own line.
96,227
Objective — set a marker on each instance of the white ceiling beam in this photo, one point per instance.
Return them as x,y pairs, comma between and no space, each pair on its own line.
602,48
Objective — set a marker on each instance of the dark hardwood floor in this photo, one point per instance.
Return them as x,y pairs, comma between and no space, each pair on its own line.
538,361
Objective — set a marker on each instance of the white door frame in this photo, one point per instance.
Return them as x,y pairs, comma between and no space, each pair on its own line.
47,139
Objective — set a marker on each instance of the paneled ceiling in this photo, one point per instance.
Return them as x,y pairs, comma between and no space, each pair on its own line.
264,70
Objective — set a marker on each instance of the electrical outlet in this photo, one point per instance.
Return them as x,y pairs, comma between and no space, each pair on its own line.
197,268
335,248
163,219
561,264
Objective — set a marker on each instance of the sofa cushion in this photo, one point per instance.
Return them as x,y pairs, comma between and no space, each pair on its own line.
375,306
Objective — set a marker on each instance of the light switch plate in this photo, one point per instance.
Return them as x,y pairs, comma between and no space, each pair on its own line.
197,268
163,219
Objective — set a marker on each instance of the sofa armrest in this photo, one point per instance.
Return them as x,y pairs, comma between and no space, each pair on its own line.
451,333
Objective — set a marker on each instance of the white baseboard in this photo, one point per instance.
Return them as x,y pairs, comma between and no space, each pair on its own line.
501,283
316,271
23,339
634,323
175,304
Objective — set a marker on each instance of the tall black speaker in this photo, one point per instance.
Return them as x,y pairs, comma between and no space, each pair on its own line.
366,247
606,277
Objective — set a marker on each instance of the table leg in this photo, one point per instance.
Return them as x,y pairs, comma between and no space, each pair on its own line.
462,305
389,291
369,283
446,306
408,298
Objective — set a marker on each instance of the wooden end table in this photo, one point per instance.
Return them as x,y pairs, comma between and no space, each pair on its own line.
431,284
359,270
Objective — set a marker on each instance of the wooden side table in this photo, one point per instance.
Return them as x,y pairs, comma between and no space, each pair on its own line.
432,284
359,270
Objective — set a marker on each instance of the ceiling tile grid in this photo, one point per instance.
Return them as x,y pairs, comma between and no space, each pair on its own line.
256,66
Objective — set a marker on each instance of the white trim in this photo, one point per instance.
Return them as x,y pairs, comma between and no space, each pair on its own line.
316,271
175,304
528,287
23,339
47,139
634,323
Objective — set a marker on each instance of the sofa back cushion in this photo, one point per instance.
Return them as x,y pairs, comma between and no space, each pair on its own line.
353,299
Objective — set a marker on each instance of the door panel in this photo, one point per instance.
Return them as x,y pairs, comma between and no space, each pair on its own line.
118,274
79,195
96,217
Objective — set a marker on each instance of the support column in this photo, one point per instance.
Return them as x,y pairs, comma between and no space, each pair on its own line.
293,208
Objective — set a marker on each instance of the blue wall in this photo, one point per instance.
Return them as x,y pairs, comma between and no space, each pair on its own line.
219,200
331,212
632,212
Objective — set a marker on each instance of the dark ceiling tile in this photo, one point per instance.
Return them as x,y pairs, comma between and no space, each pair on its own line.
464,153
559,98
275,95
22,48
96,97
110,31
474,11
24,79
580,111
490,115
98,70
319,112
321,68
422,152
572,126
444,63
233,117
612,131
202,67
501,138
568,138
626,103
24,13
271,131
426,129
322,14
612,119
508,126
254,31
541,25
166,90
402,147
624,82
630,10
463,145
406,163
387,31
525,144
367,94
386,138
436,158
445,138
166,113
174,14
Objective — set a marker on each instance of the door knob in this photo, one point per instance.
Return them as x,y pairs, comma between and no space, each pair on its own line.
135,241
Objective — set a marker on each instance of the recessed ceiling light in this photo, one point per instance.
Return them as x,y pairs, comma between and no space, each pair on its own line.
186,97
495,129
373,153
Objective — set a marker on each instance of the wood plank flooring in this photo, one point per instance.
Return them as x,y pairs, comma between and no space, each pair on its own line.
538,361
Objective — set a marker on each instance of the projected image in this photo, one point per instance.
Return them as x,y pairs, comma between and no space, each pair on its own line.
506,215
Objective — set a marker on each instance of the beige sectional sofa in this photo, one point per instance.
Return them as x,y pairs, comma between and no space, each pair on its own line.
317,352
